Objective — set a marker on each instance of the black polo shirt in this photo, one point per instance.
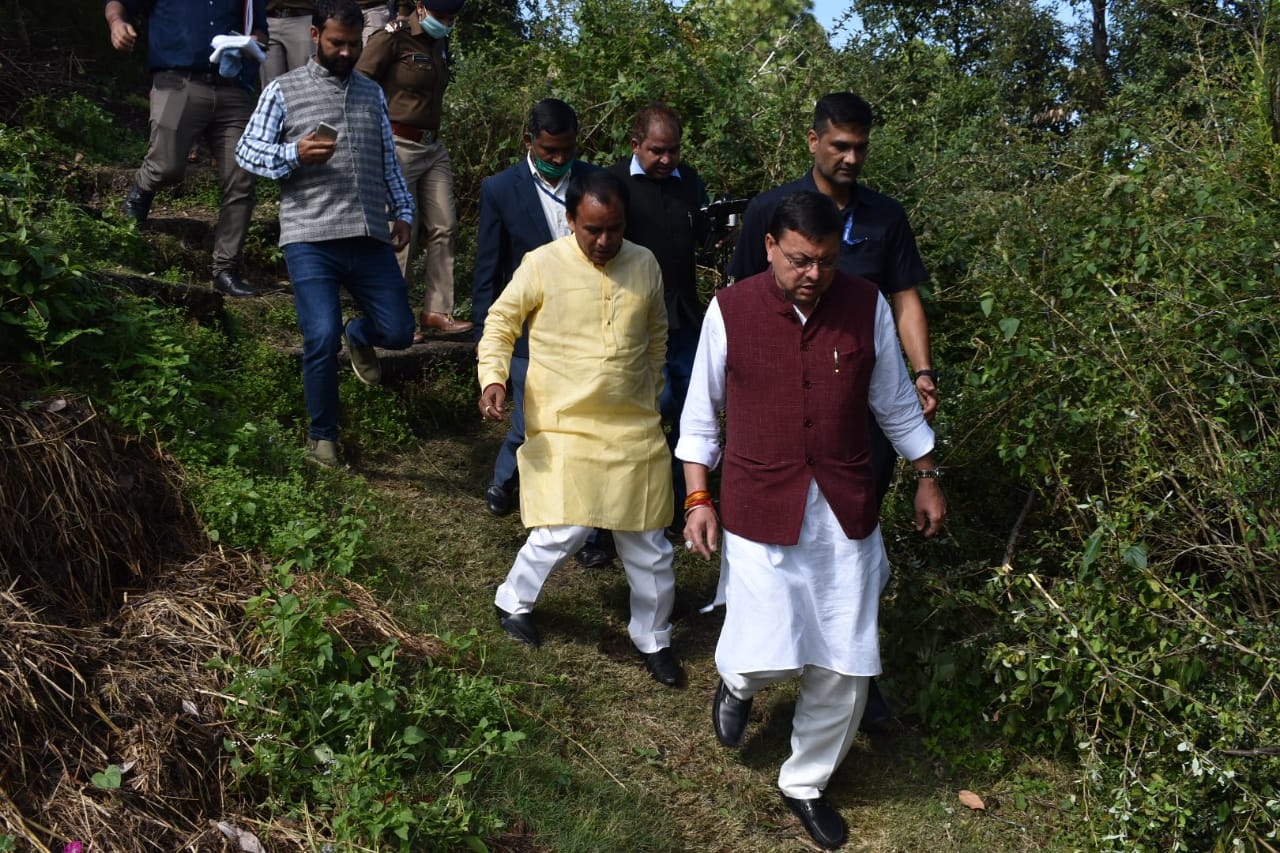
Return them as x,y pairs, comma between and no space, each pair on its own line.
878,245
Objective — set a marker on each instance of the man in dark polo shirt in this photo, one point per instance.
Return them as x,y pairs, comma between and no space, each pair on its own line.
190,99
664,216
876,241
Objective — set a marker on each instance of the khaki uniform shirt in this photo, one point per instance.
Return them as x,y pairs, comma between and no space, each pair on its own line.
412,69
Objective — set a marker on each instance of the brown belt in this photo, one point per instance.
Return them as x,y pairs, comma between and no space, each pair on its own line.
290,13
413,134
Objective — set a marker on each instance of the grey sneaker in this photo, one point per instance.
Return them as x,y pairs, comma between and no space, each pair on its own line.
322,452
364,360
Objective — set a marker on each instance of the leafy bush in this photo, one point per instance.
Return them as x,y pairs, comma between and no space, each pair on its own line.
742,82
78,125
1116,352
44,298
379,749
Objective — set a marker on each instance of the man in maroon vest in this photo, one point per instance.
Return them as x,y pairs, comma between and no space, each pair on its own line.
796,357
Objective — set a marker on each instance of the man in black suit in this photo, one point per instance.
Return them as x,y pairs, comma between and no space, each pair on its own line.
522,208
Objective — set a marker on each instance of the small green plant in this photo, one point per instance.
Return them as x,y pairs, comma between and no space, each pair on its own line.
80,125
372,418
108,779
379,749
45,302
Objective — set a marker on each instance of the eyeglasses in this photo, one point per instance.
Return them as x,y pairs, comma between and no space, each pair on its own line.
804,263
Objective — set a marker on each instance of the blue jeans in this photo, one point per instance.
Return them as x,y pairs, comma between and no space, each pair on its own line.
368,269
682,346
505,472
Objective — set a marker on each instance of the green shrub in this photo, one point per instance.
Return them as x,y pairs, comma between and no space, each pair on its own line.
1120,370
78,125
46,302
379,750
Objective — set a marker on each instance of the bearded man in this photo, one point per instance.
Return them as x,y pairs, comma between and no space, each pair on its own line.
324,133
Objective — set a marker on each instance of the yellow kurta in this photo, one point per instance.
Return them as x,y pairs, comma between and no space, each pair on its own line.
594,452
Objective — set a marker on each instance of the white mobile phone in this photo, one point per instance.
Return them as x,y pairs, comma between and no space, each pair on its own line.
324,130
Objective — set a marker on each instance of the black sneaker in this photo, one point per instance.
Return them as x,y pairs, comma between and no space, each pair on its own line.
137,204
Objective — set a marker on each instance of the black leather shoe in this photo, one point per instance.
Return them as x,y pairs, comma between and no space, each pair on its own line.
498,500
729,716
137,204
519,626
821,821
664,667
232,284
593,557
877,717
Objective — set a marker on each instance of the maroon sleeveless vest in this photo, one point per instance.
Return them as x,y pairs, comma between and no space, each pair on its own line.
796,408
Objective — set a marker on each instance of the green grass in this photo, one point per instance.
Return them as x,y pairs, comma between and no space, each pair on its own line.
613,760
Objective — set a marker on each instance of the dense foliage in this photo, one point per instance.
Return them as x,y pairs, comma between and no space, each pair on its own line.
1100,220
1104,309
373,751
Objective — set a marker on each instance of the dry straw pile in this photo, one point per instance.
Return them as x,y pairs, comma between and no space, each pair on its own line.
111,604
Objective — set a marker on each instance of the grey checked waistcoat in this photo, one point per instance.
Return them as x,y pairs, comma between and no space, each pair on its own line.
348,195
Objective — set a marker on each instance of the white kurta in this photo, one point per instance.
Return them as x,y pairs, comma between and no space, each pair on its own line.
814,603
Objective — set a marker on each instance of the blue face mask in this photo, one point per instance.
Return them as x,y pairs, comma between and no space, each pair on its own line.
434,28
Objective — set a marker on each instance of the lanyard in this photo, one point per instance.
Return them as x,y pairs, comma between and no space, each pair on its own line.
537,182
847,238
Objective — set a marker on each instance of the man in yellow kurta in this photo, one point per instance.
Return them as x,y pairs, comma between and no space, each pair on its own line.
594,453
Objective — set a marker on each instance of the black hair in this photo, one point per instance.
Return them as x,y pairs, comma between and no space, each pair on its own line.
807,213
841,108
601,184
346,12
656,112
553,116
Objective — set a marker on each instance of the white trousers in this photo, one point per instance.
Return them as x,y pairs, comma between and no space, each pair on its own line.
646,557
823,727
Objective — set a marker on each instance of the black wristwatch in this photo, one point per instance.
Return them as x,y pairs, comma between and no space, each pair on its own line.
931,373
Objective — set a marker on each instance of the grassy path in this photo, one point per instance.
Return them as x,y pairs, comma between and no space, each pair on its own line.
614,761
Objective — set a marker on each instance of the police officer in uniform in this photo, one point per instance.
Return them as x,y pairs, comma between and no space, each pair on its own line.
409,58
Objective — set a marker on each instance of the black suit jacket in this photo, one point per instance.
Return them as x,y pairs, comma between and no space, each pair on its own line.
511,224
